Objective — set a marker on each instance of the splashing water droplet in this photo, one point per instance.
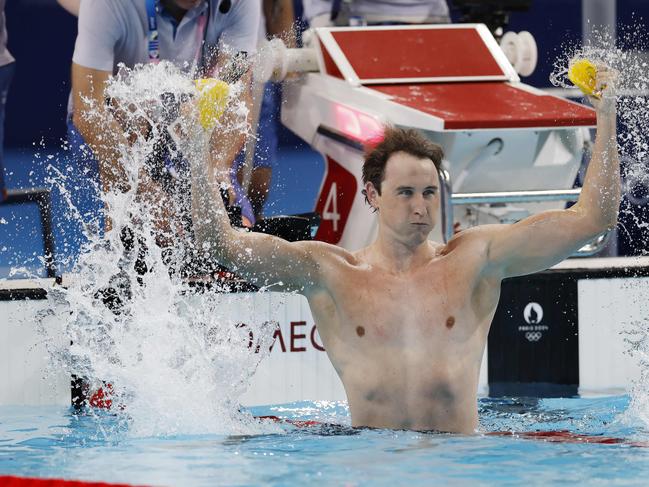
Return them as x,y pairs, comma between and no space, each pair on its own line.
627,54
176,359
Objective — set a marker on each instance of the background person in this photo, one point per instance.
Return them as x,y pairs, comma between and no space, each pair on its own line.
202,37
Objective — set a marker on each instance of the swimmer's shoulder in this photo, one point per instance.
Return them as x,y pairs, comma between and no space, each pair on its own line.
326,253
337,258
475,240
331,261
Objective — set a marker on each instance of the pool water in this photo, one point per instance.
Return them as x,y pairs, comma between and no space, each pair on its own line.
55,442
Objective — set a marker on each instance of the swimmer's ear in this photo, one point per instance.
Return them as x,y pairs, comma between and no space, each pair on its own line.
371,194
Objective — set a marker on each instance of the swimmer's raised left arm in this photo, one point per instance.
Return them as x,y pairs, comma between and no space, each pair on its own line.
545,239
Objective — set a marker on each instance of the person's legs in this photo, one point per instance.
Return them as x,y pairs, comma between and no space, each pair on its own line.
6,75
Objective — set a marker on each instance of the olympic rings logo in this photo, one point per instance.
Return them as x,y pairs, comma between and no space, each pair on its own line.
533,336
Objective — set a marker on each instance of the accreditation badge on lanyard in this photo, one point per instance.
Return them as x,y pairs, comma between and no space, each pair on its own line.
173,165
153,41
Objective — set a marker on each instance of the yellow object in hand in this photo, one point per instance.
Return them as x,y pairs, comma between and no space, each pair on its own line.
212,100
583,74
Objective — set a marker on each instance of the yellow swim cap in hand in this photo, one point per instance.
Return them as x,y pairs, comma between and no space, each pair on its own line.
583,74
212,100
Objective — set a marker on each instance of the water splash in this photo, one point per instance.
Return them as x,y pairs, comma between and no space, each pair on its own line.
627,54
174,359
637,340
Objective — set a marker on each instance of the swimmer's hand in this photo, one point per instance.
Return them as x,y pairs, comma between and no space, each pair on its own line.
604,95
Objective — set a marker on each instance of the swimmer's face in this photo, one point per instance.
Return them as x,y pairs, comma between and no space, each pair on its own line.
409,199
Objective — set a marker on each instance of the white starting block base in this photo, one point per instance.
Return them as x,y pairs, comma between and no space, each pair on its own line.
25,375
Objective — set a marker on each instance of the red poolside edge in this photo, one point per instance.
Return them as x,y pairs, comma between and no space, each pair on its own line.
11,481
565,436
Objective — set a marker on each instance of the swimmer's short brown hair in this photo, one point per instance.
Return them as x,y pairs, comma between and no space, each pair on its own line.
396,139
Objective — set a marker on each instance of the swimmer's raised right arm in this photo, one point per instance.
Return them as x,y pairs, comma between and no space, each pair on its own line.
264,260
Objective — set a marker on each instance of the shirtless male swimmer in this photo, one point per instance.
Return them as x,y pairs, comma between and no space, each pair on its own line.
405,320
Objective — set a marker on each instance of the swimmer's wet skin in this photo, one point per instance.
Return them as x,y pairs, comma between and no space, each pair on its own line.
405,320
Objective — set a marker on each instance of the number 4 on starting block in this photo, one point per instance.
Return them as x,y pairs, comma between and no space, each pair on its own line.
330,210
335,202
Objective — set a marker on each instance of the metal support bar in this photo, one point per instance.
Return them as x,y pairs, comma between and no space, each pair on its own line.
595,246
516,196
510,197
41,197
449,199
598,17
446,194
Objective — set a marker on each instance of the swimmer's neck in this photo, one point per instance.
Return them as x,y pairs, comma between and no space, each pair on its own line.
399,256
173,9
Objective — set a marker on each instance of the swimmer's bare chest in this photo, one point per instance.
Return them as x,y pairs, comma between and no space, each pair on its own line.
406,344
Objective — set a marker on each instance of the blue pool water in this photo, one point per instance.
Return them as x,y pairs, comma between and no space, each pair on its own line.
54,442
